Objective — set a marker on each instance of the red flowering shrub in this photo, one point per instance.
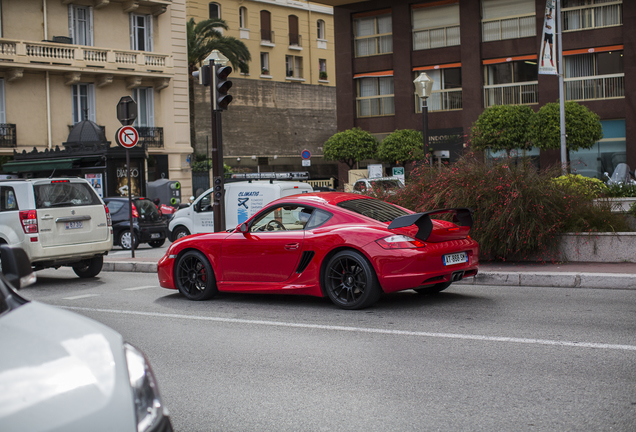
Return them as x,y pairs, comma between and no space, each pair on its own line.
518,210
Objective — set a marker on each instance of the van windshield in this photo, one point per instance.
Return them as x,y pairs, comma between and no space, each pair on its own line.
65,194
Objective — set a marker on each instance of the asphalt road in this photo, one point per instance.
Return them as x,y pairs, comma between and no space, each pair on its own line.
475,358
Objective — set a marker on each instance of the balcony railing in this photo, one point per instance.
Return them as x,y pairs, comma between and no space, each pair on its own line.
295,40
596,16
441,100
375,106
8,136
436,37
525,93
151,137
374,45
598,87
19,51
508,28
267,36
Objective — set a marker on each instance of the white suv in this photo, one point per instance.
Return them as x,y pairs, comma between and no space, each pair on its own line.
58,222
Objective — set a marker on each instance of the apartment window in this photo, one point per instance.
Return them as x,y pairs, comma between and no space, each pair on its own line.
80,24
144,96
375,96
447,90
321,29
435,27
322,69
214,10
294,37
267,35
373,35
264,63
511,82
507,19
83,102
294,66
243,17
597,75
141,32
589,14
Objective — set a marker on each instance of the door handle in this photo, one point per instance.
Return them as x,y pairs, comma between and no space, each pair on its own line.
46,217
291,246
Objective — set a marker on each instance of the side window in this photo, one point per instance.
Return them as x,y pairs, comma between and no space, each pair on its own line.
9,201
318,218
114,206
205,204
359,187
283,218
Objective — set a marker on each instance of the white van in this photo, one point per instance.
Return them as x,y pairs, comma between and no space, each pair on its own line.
242,201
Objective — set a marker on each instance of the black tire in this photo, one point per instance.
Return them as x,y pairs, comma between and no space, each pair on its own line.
433,289
179,232
156,243
194,276
90,267
124,240
350,281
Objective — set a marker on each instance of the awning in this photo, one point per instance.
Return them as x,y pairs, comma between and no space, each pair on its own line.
39,165
374,74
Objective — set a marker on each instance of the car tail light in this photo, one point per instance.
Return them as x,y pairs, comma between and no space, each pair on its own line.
135,212
29,220
109,220
399,242
60,181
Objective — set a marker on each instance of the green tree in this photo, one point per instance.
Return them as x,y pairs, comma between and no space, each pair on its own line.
582,127
402,146
502,127
203,38
350,146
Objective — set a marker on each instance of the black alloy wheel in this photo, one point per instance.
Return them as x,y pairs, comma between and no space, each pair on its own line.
350,281
194,276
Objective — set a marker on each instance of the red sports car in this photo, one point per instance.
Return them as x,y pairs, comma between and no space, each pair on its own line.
348,247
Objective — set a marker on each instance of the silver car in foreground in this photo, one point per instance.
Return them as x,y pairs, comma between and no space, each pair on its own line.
60,371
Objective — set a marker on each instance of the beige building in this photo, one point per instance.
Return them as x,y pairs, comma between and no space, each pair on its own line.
62,61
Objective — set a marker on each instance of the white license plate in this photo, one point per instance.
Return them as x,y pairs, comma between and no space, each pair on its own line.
73,225
155,235
456,258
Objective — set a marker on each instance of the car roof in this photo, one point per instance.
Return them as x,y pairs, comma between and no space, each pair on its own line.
332,198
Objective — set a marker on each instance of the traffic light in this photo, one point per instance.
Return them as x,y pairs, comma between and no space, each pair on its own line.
203,74
221,85
218,188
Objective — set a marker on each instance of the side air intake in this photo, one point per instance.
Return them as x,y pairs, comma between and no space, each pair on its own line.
305,259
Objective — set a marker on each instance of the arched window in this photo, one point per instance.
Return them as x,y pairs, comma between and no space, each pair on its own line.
321,29
266,26
242,17
294,38
215,10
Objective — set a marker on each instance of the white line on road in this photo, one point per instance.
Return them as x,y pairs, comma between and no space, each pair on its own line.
80,296
367,330
140,288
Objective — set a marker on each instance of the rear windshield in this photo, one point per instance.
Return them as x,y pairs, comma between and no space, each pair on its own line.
386,184
147,210
64,195
375,209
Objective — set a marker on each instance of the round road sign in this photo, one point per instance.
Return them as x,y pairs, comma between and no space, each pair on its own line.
306,154
127,136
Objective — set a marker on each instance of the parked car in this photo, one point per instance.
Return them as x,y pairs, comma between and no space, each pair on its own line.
149,225
385,184
58,222
60,371
345,246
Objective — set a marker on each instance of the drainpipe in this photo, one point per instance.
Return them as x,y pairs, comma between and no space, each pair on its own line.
48,81
311,60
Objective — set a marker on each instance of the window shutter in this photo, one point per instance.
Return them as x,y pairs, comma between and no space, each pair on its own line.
71,32
492,9
89,40
132,32
3,112
432,17
149,45
150,95
91,102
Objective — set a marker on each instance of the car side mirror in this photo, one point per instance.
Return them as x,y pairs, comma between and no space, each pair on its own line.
243,228
16,267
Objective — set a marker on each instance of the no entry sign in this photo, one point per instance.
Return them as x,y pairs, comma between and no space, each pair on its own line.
127,136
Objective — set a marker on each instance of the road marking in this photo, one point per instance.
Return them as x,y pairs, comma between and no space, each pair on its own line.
368,330
140,288
80,296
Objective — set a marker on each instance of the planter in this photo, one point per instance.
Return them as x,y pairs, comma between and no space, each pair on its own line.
618,204
598,247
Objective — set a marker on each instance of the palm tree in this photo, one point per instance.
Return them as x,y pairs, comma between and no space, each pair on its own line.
203,38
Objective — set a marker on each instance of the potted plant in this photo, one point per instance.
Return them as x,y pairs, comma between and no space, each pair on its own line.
264,71
322,75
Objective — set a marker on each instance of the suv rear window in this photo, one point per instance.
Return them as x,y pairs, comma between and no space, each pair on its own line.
64,195
147,210
375,209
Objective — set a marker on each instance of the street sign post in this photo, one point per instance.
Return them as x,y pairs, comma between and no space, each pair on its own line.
305,154
127,137
126,111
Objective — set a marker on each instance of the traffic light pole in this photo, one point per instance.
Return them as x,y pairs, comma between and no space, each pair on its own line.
217,157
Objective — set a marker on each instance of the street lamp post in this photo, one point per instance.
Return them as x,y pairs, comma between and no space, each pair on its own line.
423,88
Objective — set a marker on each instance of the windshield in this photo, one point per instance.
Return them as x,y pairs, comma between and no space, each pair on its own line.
375,209
386,184
64,194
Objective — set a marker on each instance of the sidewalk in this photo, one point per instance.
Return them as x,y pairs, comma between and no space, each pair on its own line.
572,274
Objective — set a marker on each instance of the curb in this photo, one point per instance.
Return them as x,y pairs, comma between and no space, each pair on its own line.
521,279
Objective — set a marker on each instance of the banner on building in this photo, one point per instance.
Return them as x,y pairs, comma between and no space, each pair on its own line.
548,57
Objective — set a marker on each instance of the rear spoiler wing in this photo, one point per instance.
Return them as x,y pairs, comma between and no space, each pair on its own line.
461,216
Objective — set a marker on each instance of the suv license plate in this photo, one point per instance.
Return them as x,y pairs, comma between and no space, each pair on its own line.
74,225
456,258
155,235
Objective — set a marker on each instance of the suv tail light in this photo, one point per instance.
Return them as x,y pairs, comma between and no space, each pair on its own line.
135,212
109,220
29,220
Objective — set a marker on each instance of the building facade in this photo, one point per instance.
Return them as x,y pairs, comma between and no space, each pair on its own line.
286,103
65,61
481,53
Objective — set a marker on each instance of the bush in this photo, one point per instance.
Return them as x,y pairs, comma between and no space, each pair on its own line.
519,211
620,191
587,187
